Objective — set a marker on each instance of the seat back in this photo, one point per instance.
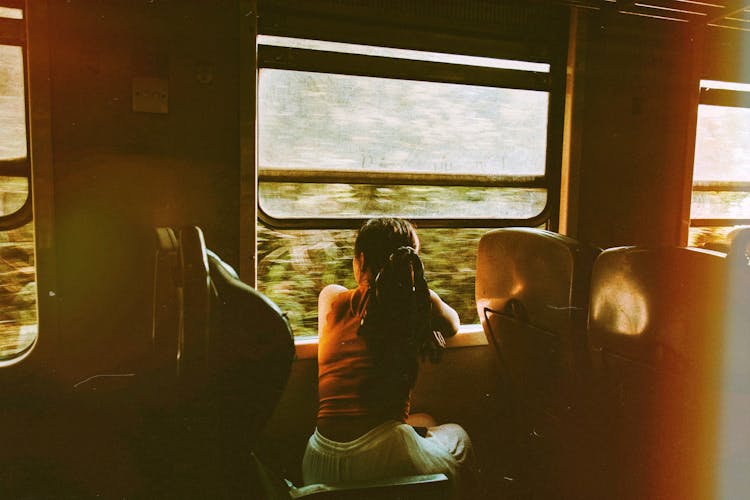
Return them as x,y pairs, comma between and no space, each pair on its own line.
656,329
532,295
251,351
227,351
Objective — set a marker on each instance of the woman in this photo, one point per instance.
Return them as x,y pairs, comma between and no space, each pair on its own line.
371,341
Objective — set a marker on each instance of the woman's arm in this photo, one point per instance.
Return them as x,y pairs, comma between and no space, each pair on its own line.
444,317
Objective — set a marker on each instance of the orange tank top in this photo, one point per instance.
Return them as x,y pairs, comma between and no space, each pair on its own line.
345,367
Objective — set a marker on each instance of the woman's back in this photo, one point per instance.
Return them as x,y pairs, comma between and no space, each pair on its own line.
370,341
345,369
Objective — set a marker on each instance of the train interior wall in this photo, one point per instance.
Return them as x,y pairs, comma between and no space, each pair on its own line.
119,173
635,130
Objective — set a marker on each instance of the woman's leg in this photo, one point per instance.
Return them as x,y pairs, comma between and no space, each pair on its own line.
454,439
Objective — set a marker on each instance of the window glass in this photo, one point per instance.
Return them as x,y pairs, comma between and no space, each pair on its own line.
12,104
344,122
13,193
712,237
358,125
18,314
722,144
14,189
720,204
10,13
295,200
721,171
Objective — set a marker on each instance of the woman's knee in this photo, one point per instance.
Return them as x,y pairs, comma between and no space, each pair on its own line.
421,420
454,438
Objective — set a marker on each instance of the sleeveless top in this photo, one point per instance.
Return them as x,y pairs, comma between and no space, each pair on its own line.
346,369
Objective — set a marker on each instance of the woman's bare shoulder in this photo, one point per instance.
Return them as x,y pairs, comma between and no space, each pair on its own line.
329,292
329,295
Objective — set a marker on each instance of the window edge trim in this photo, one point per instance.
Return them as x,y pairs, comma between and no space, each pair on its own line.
306,347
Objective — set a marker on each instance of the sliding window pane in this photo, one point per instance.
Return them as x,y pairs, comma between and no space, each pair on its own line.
14,182
722,144
343,122
12,104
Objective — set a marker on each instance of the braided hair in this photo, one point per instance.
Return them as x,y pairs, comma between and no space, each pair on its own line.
396,323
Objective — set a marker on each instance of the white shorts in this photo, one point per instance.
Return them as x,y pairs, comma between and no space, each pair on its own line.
390,449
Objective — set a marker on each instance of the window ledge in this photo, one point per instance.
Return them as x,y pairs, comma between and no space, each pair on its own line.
468,336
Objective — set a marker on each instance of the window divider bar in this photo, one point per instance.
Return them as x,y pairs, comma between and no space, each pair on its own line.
397,178
356,222
12,4
737,186
15,167
718,222
725,97
12,31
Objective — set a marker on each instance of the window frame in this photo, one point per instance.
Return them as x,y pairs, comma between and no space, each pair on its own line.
44,350
320,61
13,33
712,96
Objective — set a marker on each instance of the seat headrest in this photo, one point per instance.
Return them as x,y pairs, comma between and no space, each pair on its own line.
537,272
672,298
245,323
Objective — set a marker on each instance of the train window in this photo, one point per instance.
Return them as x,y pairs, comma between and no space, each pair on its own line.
18,298
11,13
456,143
337,145
721,172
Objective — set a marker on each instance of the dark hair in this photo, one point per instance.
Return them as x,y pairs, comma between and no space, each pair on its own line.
379,238
396,320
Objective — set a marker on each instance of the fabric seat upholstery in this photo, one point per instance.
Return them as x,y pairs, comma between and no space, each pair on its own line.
657,325
532,295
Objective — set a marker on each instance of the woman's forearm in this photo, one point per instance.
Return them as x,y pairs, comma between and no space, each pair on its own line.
444,318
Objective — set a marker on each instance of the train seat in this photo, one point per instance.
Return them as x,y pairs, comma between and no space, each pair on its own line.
532,296
656,328
228,351
251,348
